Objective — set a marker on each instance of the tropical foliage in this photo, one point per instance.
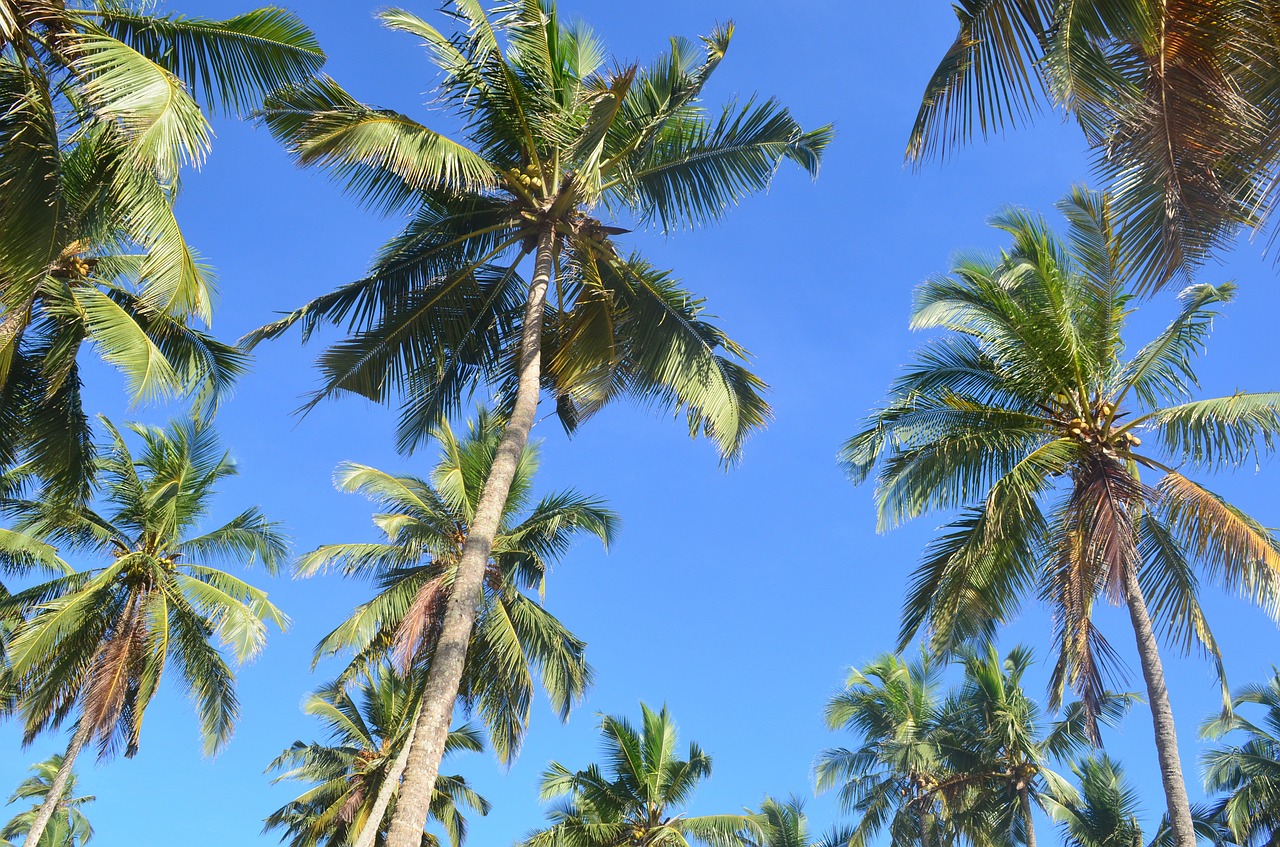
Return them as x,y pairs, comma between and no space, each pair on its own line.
1247,772
1025,415
68,827
98,116
638,794
425,524
368,724
93,645
1177,99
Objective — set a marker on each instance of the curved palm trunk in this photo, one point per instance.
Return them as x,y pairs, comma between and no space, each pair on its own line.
59,786
445,674
1175,788
1024,800
374,822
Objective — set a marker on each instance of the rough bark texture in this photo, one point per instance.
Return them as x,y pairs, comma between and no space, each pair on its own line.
445,673
388,788
1028,823
59,787
1175,788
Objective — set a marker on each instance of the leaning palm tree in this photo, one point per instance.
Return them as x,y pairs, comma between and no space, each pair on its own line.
892,778
426,524
68,827
1177,98
100,109
1248,772
368,726
1025,414
93,646
561,143
637,797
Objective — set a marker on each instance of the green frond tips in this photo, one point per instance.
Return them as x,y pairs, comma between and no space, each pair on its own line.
1025,415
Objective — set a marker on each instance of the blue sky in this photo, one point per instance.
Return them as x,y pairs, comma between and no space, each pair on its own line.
739,597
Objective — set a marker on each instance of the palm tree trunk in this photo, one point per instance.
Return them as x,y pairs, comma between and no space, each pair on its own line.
924,826
389,784
59,786
445,674
1175,788
1028,823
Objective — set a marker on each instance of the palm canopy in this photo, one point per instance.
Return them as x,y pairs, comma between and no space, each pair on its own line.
98,115
69,827
561,148
425,523
1025,414
1177,99
368,724
97,641
891,779
637,796
1247,772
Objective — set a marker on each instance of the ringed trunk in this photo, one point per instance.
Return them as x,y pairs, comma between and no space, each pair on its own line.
445,674
1028,824
1175,788
59,786
388,788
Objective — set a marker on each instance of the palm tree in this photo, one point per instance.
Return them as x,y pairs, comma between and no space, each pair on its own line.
779,824
426,524
893,777
1176,98
1248,772
996,740
95,643
1025,415
637,797
367,728
98,115
557,138
68,827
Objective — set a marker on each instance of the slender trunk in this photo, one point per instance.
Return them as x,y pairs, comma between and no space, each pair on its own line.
1024,800
1175,788
59,787
924,825
445,674
389,784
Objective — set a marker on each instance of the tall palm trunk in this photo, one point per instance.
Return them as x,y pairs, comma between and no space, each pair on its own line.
59,786
1029,824
389,783
445,674
1175,788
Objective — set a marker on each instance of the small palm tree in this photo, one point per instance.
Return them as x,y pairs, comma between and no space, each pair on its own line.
1248,772
638,796
784,824
94,644
98,115
368,727
426,524
68,827
892,778
563,146
1026,415
997,743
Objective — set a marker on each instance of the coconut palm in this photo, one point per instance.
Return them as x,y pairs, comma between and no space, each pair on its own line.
1248,772
93,646
1025,415
996,741
638,795
426,524
367,726
1177,99
100,109
68,827
891,779
784,824
561,145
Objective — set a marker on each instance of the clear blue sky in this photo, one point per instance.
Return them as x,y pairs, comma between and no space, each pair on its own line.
738,598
